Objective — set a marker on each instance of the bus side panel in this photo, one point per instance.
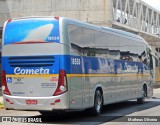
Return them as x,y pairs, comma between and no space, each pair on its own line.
116,78
120,80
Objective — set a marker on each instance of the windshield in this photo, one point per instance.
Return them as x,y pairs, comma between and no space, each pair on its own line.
32,30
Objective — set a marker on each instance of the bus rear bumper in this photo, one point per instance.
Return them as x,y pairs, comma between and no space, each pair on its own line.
36,103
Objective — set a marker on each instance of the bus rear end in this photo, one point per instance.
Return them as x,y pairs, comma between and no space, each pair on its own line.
32,75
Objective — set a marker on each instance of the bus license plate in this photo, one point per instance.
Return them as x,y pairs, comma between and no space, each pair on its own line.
31,102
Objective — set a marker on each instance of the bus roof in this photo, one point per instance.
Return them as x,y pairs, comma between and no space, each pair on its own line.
92,26
108,29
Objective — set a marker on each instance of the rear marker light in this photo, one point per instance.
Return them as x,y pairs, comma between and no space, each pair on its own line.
56,101
7,100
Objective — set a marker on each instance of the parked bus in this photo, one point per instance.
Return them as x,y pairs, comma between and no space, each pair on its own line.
56,63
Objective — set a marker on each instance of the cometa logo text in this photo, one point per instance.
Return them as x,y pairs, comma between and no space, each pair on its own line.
18,71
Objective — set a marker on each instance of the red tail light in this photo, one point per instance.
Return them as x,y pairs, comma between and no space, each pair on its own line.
4,84
56,17
9,21
62,83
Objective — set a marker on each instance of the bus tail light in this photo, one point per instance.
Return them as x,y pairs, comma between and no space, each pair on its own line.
62,83
56,17
9,21
4,84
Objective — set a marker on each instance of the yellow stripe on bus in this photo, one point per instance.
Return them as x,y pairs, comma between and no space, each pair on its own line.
33,75
104,75
77,75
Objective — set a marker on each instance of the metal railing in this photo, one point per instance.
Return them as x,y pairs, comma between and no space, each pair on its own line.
135,22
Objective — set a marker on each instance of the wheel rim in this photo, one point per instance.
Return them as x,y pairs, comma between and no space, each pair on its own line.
98,102
145,92
143,95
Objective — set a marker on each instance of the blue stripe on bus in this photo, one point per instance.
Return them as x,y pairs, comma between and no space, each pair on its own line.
79,65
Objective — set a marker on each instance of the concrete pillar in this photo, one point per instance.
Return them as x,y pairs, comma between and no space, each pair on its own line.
4,12
108,12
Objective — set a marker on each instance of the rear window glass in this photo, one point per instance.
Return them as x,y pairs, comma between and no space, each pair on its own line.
32,30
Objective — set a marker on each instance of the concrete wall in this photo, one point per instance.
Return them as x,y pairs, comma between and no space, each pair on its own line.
93,11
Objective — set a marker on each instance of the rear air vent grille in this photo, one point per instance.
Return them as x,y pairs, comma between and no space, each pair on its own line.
31,61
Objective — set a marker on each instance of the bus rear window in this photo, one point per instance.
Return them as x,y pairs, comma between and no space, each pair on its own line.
32,30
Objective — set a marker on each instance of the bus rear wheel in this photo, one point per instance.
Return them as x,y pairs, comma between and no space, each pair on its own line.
46,112
144,94
98,103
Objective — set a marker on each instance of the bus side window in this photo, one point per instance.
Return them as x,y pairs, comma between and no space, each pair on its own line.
77,49
88,42
82,40
107,45
142,53
74,33
151,62
129,50
101,40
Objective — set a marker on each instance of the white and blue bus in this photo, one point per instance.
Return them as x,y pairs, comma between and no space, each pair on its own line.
56,63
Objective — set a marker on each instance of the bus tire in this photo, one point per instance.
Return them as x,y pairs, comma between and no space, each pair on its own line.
142,99
98,103
46,113
145,90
